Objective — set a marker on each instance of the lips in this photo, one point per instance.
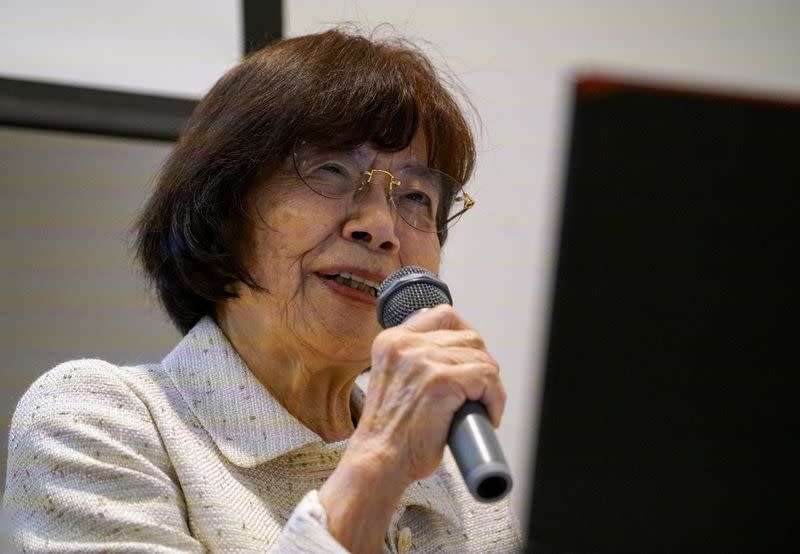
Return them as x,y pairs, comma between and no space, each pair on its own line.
358,283
354,282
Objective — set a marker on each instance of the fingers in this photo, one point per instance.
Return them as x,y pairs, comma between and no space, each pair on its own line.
451,386
458,372
440,351
400,351
494,400
422,372
481,382
461,338
439,317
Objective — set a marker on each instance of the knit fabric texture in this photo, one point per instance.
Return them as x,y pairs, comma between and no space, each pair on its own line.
194,455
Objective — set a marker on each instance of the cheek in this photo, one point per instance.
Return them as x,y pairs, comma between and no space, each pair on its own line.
294,228
421,249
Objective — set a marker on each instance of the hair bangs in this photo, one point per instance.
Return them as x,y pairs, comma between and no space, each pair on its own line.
368,101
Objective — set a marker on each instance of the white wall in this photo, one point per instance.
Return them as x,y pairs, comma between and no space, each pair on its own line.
173,47
515,58
68,288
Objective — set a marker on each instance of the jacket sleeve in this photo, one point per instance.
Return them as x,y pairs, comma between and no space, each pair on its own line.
307,530
87,471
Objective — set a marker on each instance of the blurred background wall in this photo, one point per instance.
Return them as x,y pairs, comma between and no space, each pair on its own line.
67,286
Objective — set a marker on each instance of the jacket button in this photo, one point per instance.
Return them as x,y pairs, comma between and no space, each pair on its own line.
404,541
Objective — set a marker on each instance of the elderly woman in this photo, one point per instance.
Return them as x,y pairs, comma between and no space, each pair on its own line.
308,174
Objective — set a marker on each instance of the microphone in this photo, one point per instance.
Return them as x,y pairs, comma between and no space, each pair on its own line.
471,438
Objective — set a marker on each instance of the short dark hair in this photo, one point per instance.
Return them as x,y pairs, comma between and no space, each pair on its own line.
336,88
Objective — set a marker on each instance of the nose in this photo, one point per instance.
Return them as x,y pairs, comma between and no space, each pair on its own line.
372,220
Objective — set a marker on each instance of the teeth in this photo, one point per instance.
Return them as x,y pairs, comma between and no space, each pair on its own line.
357,283
367,282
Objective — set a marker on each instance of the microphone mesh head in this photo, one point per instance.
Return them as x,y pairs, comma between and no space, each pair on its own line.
407,290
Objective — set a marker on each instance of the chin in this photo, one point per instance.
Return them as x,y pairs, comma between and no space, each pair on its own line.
357,356
353,343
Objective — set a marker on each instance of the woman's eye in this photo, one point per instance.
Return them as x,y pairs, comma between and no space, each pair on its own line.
333,168
419,198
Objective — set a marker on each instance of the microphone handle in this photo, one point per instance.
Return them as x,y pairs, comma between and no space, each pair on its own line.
474,445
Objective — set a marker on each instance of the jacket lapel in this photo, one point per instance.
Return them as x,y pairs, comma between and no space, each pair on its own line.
247,424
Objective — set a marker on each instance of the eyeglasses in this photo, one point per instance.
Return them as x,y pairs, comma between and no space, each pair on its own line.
426,199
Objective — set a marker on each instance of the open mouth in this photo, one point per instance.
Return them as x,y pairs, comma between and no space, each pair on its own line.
355,282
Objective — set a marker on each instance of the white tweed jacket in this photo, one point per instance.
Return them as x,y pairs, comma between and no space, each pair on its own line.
194,455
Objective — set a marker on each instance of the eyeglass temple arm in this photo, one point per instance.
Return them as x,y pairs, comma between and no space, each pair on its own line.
469,203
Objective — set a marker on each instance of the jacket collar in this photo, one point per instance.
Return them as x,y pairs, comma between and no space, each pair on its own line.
246,423
249,426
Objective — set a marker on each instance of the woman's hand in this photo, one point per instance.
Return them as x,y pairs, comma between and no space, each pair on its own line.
422,372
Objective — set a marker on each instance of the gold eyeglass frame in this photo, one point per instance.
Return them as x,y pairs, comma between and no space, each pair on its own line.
469,202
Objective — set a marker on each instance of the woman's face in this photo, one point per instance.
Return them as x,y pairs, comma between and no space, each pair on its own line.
310,252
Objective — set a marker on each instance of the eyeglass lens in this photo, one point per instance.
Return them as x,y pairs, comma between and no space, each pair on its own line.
416,192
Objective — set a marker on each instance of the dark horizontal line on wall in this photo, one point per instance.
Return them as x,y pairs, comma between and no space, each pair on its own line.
39,105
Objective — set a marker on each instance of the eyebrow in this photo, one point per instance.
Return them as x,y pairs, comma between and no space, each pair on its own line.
403,164
360,156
